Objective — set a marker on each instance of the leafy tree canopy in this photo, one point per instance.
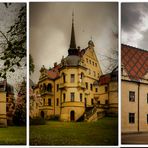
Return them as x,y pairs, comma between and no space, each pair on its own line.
14,45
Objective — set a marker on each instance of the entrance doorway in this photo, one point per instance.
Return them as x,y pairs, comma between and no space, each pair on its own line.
72,116
85,101
42,114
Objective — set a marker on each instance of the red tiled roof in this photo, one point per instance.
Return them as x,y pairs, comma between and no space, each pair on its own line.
54,72
135,61
104,79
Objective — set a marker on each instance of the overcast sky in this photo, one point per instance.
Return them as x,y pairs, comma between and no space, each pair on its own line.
50,30
7,18
134,24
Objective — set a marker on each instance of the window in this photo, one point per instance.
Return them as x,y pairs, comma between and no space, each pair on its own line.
147,118
131,96
106,88
98,102
96,64
93,63
89,61
57,101
96,89
86,60
57,87
86,85
94,73
64,97
91,87
131,117
49,87
64,78
49,102
72,96
44,87
81,77
81,97
147,98
92,101
7,109
43,101
72,80
106,101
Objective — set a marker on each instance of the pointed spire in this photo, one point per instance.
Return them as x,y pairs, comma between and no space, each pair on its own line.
72,41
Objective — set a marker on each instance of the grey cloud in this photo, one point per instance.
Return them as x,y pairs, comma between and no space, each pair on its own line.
130,16
144,42
50,28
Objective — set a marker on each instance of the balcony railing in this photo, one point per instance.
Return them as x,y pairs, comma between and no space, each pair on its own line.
46,93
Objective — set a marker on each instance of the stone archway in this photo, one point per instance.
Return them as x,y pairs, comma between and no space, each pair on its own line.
42,114
72,115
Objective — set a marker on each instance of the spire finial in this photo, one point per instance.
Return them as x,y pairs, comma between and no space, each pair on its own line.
73,16
72,41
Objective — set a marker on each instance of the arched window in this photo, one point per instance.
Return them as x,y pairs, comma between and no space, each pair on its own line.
49,87
44,87
41,87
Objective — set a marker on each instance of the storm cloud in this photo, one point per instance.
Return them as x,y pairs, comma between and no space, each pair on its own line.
50,30
134,24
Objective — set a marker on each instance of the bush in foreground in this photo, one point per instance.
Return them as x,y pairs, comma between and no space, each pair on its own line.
37,121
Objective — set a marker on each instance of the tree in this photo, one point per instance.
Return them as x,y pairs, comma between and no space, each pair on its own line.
31,65
14,45
19,117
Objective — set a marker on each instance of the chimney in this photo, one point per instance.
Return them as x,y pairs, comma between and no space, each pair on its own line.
55,64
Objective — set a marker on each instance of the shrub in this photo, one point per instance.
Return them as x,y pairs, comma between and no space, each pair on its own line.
37,121
54,117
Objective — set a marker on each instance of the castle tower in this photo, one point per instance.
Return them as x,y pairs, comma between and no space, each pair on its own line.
72,49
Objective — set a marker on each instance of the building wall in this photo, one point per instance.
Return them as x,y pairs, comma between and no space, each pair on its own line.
113,97
3,120
132,107
143,105
90,68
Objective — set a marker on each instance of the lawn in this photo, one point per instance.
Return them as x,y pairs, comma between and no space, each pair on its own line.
102,132
13,135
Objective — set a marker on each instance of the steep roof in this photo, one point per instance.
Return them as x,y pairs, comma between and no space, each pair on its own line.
54,72
104,79
135,61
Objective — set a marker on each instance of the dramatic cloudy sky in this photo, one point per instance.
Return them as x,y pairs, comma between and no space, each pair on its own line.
7,18
134,24
50,30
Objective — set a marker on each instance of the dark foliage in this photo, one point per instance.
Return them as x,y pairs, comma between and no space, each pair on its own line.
37,121
14,45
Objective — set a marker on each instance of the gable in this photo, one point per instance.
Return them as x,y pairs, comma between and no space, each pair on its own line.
91,61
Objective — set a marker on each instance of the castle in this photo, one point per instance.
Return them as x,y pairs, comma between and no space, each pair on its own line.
134,89
6,103
75,89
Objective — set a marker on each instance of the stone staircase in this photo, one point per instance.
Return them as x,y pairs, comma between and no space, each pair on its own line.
97,112
93,113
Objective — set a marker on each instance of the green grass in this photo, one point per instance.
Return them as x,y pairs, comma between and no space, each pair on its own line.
13,135
102,132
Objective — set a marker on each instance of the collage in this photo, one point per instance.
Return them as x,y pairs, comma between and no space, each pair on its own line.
73,74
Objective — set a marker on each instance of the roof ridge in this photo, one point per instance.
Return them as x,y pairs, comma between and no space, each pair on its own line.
134,47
